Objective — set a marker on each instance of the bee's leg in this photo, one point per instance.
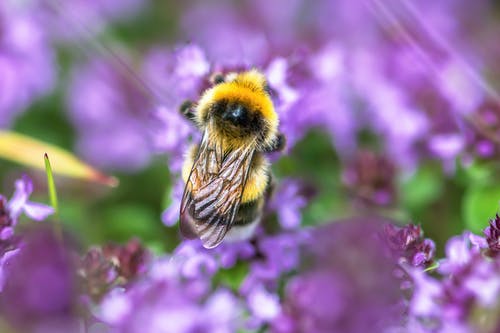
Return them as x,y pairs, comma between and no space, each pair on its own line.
217,78
187,110
278,144
271,186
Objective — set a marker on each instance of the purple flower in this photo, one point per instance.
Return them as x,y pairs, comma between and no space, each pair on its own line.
131,259
111,265
276,256
405,68
19,203
462,91
370,177
171,135
238,41
170,216
347,285
482,130
408,244
39,293
8,250
468,283
270,258
27,68
492,234
477,242
386,101
112,115
288,201
426,294
229,253
166,303
6,221
67,20
306,98
447,146
177,75
198,261
9,214
264,307
459,254
96,273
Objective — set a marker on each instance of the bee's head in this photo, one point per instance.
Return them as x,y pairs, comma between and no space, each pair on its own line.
236,114
240,107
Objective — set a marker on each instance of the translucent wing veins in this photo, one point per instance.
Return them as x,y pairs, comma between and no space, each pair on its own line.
213,191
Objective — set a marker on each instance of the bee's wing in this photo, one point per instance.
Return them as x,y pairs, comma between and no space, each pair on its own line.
213,192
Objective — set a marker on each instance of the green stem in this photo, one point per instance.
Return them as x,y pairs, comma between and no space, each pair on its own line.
432,267
53,197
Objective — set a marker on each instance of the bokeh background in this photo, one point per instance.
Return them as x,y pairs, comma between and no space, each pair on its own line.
390,107
391,112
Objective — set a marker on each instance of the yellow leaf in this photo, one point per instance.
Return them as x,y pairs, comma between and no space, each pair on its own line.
30,152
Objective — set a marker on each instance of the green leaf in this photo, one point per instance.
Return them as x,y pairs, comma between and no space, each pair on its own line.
424,187
27,151
232,277
479,172
481,202
121,222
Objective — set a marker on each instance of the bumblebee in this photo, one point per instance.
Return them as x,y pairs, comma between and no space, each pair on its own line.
227,176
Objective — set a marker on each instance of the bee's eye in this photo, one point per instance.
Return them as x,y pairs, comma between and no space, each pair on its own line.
236,114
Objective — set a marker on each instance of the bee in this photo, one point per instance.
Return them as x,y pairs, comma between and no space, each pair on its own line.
227,176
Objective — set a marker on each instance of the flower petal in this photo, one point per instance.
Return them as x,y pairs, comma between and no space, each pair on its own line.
24,188
37,211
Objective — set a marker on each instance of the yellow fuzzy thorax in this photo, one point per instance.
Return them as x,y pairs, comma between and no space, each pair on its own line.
256,184
246,88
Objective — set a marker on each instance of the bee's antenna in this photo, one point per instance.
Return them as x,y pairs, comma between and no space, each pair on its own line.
72,20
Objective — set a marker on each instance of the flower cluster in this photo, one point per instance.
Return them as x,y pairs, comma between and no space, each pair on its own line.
492,234
465,293
27,64
341,81
348,284
39,292
100,94
121,279
66,20
333,282
167,300
10,211
344,276
345,78
27,53
409,244
370,179
109,266
20,262
355,74
392,84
